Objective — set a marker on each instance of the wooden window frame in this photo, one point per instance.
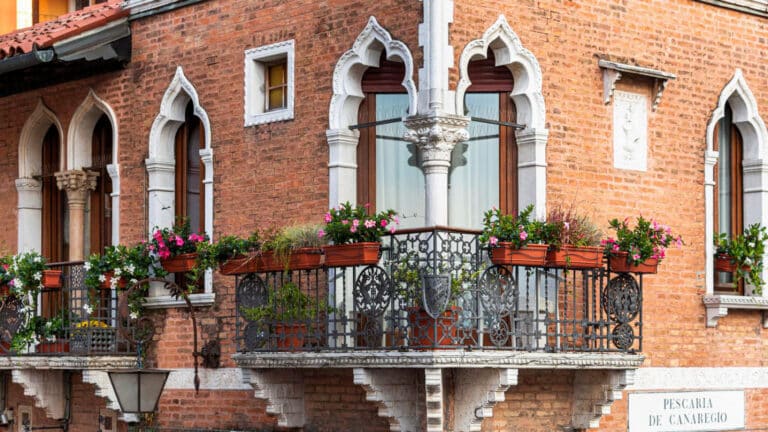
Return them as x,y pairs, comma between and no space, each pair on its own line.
283,86
181,171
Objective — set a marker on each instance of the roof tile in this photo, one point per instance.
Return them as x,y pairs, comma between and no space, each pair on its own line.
43,35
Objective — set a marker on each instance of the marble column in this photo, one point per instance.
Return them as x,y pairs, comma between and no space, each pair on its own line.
435,136
78,186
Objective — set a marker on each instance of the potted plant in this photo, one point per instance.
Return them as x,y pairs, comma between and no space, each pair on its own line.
514,239
743,255
50,335
6,277
287,312
234,255
176,247
296,247
355,234
573,239
91,336
638,249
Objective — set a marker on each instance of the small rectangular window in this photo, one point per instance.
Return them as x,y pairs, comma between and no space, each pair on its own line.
269,83
277,86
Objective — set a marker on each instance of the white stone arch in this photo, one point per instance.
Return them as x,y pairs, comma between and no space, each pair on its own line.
79,150
347,95
529,101
751,126
161,172
28,186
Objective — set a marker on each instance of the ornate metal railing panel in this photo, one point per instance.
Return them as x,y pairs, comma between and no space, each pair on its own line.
89,321
438,289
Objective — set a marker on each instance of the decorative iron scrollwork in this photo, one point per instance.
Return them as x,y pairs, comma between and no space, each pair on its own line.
436,291
621,299
11,317
623,336
499,291
251,292
373,291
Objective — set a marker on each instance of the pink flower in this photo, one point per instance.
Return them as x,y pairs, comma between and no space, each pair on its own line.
392,229
320,233
356,223
164,254
636,257
383,223
151,247
567,226
603,242
328,218
344,221
353,228
158,235
396,220
615,247
367,205
179,241
523,235
493,241
679,242
370,223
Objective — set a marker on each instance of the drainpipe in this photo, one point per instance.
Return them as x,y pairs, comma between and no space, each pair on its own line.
23,61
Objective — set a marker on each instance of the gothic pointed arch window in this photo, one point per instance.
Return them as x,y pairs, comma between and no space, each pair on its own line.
54,201
190,199
100,210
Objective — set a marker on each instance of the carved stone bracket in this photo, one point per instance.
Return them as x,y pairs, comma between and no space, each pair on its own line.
284,392
612,72
100,379
393,392
477,391
594,392
46,387
717,306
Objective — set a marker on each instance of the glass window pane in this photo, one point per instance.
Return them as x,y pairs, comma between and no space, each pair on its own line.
193,177
277,75
724,197
399,180
276,99
473,185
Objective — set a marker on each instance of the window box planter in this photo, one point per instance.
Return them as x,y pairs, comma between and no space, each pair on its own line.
352,254
60,346
51,279
425,332
107,284
299,259
290,337
90,340
532,255
573,257
619,264
724,263
239,265
180,263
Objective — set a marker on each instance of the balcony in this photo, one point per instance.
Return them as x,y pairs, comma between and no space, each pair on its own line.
481,313
87,338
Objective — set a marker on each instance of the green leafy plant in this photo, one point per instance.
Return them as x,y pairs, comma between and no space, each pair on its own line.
519,230
746,251
286,303
407,278
348,224
27,270
130,264
566,226
648,239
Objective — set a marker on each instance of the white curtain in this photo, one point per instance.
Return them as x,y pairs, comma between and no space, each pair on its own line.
473,185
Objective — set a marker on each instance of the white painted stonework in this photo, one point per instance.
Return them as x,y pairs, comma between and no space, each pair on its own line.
256,80
689,411
393,392
45,387
630,131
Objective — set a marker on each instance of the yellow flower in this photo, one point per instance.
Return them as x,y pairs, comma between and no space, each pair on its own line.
92,323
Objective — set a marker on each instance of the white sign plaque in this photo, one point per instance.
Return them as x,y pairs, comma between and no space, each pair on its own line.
701,411
630,131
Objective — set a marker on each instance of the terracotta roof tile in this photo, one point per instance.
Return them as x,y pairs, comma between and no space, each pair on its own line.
43,35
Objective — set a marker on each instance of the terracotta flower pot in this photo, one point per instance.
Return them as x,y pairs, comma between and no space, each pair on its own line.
352,254
619,264
299,259
52,279
724,263
531,255
107,284
180,263
425,332
290,337
61,346
574,257
239,265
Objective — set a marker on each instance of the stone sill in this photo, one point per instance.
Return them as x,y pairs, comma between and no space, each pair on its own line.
68,362
718,305
163,302
439,359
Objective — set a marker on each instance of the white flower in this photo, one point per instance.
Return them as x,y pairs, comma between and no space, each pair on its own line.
134,315
102,278
113,282
130,268
88,309
134,280
118,271
37,259
87,265
18,283
748,261
38,276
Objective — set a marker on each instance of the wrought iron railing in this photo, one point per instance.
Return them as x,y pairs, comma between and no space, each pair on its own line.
437,288
89,321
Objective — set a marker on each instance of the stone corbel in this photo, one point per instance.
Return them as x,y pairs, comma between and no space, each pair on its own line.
283,390
477,391
594,392
613,72
392,391
717,306
46,387
100,380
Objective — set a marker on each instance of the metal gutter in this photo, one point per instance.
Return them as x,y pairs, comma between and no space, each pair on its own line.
93,44
23,61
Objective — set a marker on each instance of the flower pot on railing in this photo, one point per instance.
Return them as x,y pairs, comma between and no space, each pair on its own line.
531,255
724,263
239,265
290,337
430,332
179,263
574,257
298,259
618,263
107,284
51,279
352,254
47,347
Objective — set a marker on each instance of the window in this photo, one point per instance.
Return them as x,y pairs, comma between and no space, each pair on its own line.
483,171
55,247
269,83
729,216
189,172
101,197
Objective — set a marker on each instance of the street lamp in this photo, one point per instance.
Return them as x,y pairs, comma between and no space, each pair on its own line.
138,390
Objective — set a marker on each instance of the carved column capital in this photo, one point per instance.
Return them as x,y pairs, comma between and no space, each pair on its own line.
436,136
77,184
